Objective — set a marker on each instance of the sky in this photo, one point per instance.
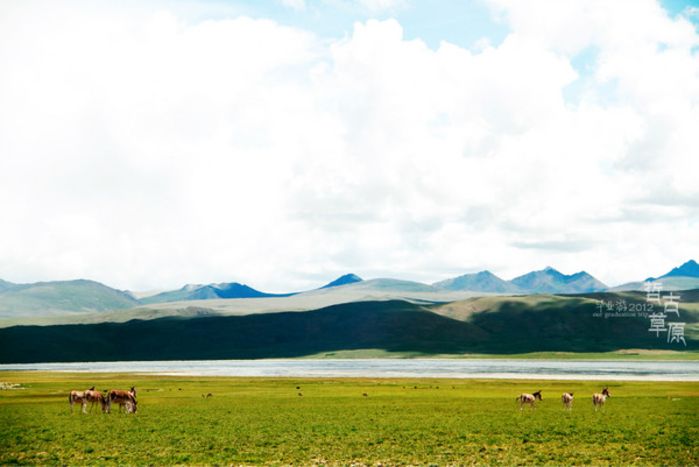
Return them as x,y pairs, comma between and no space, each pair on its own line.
282,143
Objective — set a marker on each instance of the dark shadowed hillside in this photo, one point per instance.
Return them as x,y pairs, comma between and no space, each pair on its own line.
549,323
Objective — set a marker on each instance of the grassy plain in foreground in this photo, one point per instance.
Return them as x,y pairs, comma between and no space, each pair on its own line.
330,421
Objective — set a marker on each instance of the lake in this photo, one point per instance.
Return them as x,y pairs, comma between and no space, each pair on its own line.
393,368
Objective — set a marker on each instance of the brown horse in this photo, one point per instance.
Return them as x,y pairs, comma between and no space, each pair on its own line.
125,399
93,397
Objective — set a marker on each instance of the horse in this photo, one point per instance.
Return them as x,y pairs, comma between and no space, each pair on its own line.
75,397
93,397
598,399
528,399
125,399
567,399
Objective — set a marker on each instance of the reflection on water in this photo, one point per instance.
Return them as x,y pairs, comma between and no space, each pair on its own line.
389,368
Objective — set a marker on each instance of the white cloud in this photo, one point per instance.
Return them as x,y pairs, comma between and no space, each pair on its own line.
376,6
294,4
145,150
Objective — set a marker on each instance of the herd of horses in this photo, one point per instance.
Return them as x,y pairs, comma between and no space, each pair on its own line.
598,399
125,399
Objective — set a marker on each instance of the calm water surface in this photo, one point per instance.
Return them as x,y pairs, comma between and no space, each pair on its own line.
391,368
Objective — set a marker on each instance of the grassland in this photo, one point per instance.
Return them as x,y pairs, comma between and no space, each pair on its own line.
266,421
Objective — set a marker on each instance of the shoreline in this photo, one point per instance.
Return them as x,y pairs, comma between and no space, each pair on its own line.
415,368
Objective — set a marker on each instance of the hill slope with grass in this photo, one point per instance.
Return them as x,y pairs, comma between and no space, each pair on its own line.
77,296
495,325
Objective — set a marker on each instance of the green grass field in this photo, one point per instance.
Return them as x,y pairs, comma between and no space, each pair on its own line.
400,421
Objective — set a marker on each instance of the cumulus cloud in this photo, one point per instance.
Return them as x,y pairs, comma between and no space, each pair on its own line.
146,150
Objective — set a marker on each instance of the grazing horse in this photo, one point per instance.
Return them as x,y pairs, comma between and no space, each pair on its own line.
125,399
567,399
77,397
528,399
598,399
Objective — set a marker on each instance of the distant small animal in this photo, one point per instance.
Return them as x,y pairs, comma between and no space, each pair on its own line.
528,399
567,399
365,394
300,395
298,387
598,399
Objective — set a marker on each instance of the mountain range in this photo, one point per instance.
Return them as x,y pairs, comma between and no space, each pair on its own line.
82,296
547,280
684,277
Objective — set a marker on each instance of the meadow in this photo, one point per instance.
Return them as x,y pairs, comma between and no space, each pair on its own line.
343,421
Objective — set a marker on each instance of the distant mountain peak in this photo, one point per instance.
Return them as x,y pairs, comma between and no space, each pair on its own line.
485,273
550,280
551,271
579,275
688,269
482,281
223,290
343,280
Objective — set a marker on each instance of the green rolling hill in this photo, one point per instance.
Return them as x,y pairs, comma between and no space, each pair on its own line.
46,298
494,325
